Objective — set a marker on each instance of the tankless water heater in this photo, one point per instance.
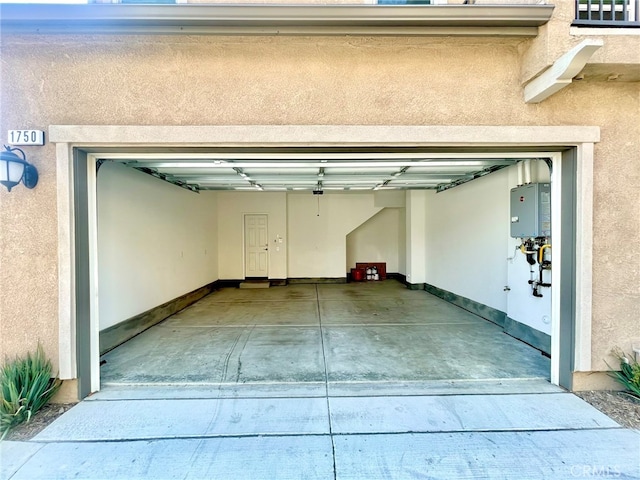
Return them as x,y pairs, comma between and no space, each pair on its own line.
531,210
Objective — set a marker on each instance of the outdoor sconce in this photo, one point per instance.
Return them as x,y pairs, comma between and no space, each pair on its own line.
14,169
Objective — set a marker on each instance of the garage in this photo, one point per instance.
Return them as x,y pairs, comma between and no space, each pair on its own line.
315,236
169,224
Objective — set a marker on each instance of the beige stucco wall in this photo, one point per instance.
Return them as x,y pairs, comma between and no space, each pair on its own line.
620,54
210,80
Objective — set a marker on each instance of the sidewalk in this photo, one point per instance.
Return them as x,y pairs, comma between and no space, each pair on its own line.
265,434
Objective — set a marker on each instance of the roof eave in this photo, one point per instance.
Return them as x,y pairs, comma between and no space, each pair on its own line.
274,19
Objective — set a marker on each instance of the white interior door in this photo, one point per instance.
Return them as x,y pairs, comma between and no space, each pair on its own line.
256,246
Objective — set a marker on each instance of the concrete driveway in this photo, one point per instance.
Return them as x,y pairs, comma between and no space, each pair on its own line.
204,434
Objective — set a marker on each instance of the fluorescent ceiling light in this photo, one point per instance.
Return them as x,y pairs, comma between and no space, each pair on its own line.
210,178
329,181
431,180
284,170
361,170
310,181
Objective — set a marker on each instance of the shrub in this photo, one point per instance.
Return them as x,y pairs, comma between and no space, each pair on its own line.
629,373
25,387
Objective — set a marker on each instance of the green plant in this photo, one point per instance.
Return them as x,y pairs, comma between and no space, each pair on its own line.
629,373
25,387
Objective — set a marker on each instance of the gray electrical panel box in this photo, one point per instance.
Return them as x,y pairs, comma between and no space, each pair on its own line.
531,210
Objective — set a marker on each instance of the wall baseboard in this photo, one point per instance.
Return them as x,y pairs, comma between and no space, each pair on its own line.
488,313
537,339
117,334
294,281
526,334
400,277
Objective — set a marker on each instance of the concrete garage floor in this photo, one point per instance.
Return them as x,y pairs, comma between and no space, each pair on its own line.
344,337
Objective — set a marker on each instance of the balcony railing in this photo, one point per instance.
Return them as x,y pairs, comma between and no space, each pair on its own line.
607,13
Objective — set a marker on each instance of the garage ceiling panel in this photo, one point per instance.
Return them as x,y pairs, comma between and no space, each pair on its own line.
315,171
282,171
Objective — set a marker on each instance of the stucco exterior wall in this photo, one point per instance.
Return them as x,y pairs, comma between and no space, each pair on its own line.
619,55
210,80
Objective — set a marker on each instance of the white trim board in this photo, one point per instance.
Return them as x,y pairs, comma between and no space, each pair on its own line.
536,138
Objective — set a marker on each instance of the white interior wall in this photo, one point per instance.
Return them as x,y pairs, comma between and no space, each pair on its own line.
317,243
521,304
313,246
378,240
156,241
466,237
232,206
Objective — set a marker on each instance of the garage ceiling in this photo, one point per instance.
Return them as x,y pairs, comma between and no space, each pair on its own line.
316,171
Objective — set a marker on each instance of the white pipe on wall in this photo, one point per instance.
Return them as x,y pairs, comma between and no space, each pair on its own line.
527,171
520,172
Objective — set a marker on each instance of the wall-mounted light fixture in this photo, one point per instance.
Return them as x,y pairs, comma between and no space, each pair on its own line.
14,169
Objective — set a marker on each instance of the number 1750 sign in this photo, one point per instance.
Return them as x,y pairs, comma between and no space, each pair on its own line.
26,137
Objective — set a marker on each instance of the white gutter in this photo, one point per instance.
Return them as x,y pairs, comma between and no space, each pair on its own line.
274,19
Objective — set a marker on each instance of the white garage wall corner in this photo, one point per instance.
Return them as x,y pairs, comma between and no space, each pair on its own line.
211,203
232,207
467,230
416,235
156,242
318,235
402,242
378,240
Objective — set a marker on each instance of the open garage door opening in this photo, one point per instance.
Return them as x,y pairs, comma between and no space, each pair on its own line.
179,228
419,233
